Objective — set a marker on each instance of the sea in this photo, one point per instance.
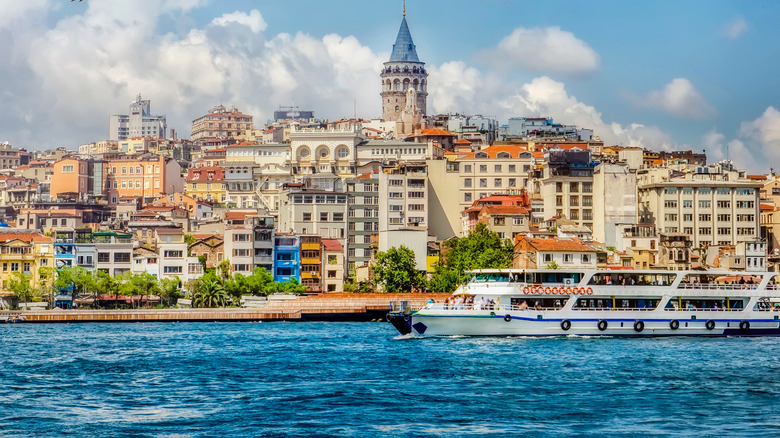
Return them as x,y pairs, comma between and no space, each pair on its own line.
289,379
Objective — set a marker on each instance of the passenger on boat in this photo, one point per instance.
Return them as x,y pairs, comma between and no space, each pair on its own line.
523,305
538,305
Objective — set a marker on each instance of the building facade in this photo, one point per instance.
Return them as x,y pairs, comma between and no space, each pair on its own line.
138,123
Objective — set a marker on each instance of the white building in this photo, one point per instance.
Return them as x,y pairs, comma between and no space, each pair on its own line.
138,123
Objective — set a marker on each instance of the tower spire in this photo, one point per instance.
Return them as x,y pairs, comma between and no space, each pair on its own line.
404,8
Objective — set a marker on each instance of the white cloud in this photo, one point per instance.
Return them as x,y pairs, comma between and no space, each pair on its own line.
735,28
765,131
12,12
712,142
253,20
680,99
547,50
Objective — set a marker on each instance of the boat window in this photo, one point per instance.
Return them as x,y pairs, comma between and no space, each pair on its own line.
712,281
706,303
538,303
601,303
557,278
631,279
766,304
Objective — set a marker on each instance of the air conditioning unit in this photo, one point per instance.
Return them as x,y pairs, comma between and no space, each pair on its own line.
568,281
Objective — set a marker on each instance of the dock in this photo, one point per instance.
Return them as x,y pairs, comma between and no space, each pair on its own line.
321,307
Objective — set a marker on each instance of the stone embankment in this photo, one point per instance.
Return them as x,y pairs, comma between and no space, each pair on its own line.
326,306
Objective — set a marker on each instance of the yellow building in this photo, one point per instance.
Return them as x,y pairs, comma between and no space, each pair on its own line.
206,183
23,251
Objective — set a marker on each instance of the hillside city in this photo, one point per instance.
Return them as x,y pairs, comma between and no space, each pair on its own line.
313,201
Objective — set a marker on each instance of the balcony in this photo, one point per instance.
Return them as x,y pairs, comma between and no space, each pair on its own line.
286,263
310,261
310,246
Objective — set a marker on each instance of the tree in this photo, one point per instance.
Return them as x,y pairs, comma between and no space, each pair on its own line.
396,271
46,277
209,292
481,249
189,239
111,286
145,284
19,284
223,269
552,265
76,279
170,291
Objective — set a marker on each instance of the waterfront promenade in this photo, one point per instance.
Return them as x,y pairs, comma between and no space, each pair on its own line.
326,306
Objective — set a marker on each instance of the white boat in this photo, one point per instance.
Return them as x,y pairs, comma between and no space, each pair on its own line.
511,302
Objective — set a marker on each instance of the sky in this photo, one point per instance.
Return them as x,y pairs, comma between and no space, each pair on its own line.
666,75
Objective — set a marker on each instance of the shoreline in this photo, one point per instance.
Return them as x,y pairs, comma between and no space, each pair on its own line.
342,307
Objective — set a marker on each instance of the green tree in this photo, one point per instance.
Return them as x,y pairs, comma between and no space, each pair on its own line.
81,280
552,265
46,277
481,249
145,284
189,239
19,284
223,269
396,271
170,291
209,292
111,286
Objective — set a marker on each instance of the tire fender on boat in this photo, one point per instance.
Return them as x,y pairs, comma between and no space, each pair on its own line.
710,324
547,290
602,325
674,324
507,317
565,325
589,291
744,326
526,290
639,326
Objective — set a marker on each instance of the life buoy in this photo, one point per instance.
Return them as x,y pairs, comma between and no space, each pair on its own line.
602,325
565,325
526,290
507,317
639,326
579,290
744,326
589,291
710,324
674,324
547,290
534,290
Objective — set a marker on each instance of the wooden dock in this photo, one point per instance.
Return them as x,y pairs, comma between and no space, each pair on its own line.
326,306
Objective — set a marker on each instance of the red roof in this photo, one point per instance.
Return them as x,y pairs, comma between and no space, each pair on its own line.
25,236
513,150
504,209
554,244
435,132
332,245
238,215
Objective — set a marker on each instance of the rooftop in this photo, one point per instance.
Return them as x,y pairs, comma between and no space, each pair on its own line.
404,49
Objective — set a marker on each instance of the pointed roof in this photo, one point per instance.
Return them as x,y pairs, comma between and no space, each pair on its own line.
403,49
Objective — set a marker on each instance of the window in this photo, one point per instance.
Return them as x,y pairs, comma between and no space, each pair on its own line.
705,230
324,217
244,237
587,187
497,168
574,214
512,182
172,269
574,187
121,257
670,204
574,201
467,182
705,217
724,218
705,204
467,168
547,257
499,221
518,221
558,187
483,182
497,182
724,230
687,217
173,254
670,217
724,204
483,168
568,258
587,215
307,217
586,258
512,168
104,257
467,197
68,169
687,204
338,217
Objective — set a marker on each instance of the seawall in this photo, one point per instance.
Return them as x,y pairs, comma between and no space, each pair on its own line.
321,307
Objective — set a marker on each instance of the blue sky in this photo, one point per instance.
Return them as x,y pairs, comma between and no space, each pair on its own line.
662,74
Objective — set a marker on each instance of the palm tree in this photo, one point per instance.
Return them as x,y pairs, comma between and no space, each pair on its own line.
210,293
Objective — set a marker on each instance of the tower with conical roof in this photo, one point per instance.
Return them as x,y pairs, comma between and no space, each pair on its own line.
403,71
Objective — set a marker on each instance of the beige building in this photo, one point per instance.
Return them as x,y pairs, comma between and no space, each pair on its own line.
567,186
403,197
332,265
221,122
494,170
319,212
713,205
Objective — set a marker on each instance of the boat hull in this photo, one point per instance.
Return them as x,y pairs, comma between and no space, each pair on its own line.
595,324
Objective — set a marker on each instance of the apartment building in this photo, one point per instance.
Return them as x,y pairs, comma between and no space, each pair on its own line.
567,185
221,122
362,220
206,183
403,196
145,176
494,170
714,205
304,211
174,261
311,263
287,250
138,123
332,265
614,200
533,253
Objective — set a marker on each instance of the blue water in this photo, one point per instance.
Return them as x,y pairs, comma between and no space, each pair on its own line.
361,379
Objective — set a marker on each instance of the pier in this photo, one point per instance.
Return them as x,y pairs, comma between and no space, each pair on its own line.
321,307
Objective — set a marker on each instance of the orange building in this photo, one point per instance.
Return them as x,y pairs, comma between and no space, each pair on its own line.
147,176
70,178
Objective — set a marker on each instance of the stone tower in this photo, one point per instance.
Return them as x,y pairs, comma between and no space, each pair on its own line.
403,71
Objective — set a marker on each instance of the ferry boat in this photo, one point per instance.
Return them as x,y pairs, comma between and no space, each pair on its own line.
512,302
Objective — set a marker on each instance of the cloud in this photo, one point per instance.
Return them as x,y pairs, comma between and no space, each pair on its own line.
735,28
765,131
72,76
712,142
680,99
253,20
547,50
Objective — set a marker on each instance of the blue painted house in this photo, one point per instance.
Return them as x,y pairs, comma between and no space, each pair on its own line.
287,263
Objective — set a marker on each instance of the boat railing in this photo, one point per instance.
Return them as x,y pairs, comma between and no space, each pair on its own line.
599,309
488,307
715,286
705,309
